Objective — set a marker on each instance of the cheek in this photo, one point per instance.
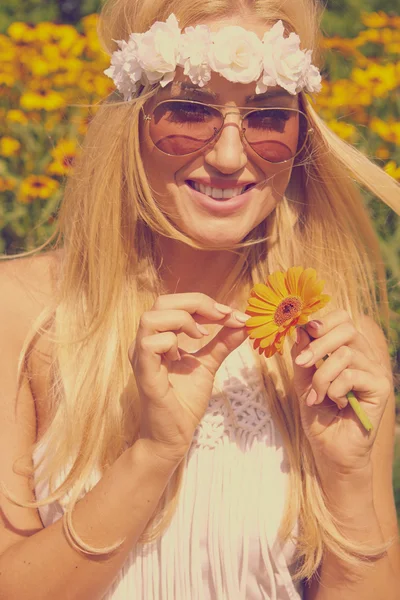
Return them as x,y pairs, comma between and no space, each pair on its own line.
160,168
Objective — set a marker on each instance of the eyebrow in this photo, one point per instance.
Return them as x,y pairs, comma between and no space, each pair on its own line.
209,94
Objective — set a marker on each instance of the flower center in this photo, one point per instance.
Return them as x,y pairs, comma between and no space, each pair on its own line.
289,308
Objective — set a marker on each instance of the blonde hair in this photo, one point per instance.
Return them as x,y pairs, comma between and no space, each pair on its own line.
108,227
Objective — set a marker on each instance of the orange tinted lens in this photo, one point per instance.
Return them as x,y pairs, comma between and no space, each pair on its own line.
276,134
180,128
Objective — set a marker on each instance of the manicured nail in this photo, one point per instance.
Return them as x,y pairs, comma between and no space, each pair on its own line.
202,329
315,324
311,398
222,308
241,317
304,357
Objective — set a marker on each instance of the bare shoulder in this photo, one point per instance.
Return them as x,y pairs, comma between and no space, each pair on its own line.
27,286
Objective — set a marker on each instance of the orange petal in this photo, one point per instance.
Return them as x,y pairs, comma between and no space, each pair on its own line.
261,304
277,282
265,293
292,279
264,330
259,320
270,351
307,276
267,341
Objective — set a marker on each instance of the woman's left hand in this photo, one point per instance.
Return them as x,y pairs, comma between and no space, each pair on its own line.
338,439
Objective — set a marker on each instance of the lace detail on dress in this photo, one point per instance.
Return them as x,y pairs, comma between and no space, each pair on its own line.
238,403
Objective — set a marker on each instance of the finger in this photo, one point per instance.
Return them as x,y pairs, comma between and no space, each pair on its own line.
343,358
366,384
214,353
349,334
158,321
147,354
342,335
302,378
192,303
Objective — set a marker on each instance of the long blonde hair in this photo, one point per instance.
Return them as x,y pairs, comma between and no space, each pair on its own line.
108,228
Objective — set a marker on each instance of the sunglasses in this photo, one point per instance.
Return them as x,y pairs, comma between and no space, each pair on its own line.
181,127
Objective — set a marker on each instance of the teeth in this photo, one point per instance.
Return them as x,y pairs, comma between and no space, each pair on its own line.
217,193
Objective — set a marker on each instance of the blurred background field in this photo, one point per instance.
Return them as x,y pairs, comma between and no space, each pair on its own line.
52,61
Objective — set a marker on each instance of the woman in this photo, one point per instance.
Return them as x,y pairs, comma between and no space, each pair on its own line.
191,466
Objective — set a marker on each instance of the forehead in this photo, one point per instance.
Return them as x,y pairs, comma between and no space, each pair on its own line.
220,91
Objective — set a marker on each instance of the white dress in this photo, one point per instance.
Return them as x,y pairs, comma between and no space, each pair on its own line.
222,541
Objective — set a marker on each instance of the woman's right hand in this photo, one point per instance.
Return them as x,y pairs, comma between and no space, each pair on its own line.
175,386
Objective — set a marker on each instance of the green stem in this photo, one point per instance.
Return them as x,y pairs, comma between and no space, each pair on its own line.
358,409
356,406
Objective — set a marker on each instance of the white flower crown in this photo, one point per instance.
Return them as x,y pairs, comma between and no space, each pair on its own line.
233,52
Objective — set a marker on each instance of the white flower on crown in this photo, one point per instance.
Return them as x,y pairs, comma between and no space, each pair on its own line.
233,52
125,69
284,64
158,51
236,54
193,54
312,80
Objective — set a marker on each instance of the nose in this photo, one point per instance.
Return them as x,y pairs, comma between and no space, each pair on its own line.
227,154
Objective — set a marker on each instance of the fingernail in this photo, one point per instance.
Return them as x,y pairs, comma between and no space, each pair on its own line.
311,398
202,329
304,357
241,317
225,310
178,355
315,324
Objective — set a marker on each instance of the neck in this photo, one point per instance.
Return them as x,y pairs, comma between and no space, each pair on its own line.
186,269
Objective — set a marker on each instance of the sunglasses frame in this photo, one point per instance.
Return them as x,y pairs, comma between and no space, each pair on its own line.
310,130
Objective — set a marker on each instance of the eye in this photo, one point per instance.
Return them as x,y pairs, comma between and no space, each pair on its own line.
187,112
273,118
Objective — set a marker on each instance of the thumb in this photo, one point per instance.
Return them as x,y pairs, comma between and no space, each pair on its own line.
214,353
302,377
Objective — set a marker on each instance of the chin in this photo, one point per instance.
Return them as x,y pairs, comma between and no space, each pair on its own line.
221,239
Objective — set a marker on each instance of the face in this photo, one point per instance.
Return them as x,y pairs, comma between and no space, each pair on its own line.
192,190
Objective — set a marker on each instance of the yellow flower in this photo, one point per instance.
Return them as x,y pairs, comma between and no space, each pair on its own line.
379,79
89,23
375,19
7,49
42,98
17,116
382,152
387,130
64,155
36,187
22,32
9,146
346,131
278,306
393,170
368,35
7,184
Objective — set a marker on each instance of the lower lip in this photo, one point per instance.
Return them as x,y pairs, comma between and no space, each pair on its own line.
220,206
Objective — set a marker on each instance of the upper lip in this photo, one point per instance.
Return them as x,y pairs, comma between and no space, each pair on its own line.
223,184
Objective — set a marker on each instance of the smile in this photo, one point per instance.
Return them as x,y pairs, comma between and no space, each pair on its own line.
218,193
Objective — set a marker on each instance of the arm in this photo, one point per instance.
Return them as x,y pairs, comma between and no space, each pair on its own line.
42,564
366,507
37,563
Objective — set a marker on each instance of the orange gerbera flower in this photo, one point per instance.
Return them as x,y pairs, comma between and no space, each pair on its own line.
278,306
